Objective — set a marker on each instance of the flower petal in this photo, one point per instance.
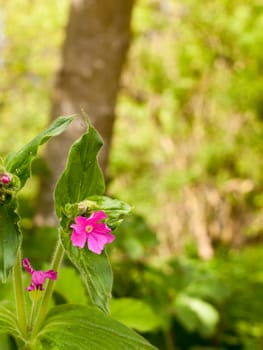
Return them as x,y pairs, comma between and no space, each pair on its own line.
80,224
38,277
31,287
27,266
78,240
101,228
95,245
97,216
51,274
81,220
110,237
92,231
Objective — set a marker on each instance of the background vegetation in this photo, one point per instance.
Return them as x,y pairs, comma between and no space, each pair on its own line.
187,154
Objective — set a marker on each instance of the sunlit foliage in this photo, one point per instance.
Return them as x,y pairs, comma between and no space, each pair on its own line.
192,102
191,109
31,34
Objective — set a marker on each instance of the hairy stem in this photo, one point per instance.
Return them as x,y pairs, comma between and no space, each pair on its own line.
31,319
19,295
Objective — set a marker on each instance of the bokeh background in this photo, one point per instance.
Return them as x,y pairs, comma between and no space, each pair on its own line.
186,153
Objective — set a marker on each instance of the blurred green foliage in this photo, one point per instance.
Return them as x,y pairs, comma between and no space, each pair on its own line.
31,34
192,96
191,110
213,305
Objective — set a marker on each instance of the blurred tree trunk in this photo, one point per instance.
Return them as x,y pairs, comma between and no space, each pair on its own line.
97,39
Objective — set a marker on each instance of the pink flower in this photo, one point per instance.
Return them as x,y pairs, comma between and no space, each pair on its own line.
5,179
92,231
38,277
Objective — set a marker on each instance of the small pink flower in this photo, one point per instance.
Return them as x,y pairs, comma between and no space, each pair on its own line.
92,231
38,277
5,179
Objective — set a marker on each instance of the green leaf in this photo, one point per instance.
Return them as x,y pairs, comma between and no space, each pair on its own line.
19,163
196,314
68,276
82,176
5,342
95,271
81,179
10,238
77,327
135,314
8,322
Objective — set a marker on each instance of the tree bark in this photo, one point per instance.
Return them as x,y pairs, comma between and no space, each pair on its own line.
97,39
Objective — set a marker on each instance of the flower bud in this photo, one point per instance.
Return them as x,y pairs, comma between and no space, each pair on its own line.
9,185
5,179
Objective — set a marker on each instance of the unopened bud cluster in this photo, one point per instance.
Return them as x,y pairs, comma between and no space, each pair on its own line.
9,185
4,179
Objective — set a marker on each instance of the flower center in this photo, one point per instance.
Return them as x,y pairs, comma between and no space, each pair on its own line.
89,228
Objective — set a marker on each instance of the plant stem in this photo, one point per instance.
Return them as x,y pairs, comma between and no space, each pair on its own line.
31,319
19,295
43,309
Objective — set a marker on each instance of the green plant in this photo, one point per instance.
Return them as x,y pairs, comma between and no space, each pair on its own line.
78,197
